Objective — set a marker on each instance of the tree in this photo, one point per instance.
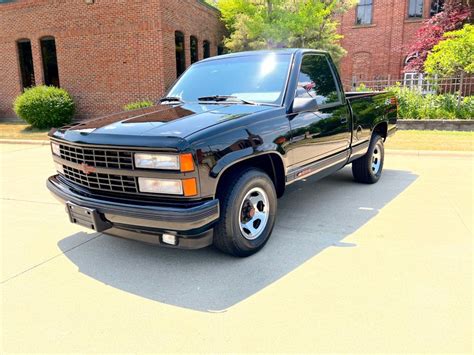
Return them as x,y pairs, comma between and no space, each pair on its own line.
261,24
454,54
454,15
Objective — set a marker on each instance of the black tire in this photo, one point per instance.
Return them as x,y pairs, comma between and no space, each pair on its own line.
368,169
236,208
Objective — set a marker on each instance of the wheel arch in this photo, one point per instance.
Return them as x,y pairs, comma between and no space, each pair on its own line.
381,128
270,162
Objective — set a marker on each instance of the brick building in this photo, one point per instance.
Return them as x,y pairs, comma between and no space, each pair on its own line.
377,34
106,53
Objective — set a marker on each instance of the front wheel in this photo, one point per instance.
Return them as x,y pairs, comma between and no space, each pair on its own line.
248,206
368,169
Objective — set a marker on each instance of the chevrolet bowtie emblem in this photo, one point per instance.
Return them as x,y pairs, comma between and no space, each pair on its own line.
87,169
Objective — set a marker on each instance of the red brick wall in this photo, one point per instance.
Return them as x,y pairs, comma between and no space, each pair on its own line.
379,49
109,53
193,19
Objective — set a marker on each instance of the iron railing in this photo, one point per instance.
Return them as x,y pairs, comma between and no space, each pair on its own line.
463,84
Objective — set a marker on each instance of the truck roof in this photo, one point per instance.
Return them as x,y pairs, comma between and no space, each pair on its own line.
263,52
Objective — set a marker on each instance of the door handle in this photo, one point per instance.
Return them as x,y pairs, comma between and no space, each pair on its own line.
344,120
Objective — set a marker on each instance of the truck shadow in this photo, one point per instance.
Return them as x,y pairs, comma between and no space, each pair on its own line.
312,216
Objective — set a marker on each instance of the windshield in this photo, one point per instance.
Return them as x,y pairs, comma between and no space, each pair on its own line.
260,79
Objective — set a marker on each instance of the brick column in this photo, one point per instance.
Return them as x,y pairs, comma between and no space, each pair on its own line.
37,60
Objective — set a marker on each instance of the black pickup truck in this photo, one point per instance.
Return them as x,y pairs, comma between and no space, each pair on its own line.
207,163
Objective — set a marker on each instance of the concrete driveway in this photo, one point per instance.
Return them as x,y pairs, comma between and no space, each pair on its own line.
349,268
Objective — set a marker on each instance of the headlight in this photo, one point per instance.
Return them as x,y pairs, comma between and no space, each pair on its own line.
157,161
55,148
182,162
160,186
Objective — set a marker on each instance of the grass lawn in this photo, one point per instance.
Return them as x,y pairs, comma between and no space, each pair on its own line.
15,130
406,140
431,140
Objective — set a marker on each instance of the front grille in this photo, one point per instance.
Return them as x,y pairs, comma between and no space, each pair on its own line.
104,182
104,158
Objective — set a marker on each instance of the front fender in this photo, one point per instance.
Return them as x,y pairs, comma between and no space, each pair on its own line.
238,145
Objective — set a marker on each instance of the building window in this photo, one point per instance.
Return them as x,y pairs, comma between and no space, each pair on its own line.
193,46
364,12
415,8
25,58
180,56
437,6
206,49
50,61
220,50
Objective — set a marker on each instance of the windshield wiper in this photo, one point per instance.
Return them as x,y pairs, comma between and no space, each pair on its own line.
216,98
230,98
171,99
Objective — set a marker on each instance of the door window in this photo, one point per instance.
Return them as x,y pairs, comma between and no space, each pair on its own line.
317,81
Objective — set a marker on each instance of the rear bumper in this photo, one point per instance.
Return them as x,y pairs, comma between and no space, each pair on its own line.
192,226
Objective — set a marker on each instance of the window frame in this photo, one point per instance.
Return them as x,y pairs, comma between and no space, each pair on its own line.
371,5
422,10
438,7
340,100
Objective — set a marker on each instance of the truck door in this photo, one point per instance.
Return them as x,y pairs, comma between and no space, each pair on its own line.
326,130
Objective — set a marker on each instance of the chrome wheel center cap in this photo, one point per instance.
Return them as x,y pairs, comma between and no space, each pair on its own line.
254,212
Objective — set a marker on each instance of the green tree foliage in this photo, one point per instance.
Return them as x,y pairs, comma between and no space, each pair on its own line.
454,54
262,24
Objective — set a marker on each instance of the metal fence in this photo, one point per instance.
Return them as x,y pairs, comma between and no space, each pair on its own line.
453,85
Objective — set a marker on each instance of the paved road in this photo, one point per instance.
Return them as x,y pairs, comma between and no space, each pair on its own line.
349,267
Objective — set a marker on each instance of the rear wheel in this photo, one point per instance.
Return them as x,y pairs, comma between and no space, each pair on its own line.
368,169
248,205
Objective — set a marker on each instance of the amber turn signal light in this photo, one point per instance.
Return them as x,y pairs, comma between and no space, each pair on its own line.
186,162
190,187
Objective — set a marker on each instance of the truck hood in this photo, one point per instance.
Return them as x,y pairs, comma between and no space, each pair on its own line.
171,123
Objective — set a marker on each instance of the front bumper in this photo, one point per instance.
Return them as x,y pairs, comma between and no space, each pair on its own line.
192,226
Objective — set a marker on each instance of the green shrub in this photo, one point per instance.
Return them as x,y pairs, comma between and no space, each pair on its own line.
45,106
412,104
466,111
139,104
409,102
363,88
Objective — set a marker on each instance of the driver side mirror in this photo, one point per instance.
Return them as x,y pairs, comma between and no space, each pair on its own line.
302,104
